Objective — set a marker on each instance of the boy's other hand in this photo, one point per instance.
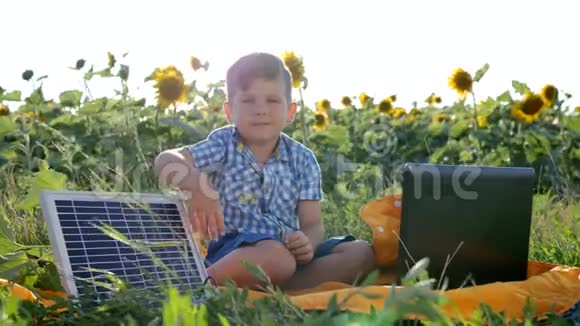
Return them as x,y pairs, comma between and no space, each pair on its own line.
206,215
300,246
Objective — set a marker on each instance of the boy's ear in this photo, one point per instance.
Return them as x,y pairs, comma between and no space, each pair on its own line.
292,112
228,112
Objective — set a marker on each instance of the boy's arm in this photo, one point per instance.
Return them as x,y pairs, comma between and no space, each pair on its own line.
176,168
303,243
309,214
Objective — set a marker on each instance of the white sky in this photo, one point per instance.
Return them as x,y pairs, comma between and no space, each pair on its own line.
399,47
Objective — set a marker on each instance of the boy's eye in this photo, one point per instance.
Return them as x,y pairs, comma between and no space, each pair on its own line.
273,100
248,100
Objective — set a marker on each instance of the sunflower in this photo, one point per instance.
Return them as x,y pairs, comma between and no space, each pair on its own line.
414,112
364,99
530,108
346,101
393,98
433,99
441,117
4,111
320,120
195,63
461,82
481,121
323,106
296,67
549,94
170,86
385,106
398,112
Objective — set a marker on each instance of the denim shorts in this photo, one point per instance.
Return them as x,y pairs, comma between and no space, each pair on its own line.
233,240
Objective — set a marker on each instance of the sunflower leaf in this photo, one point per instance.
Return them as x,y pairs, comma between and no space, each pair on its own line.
36,97
111,60
12,96
573,123
481,72
519,87
7,125
45,179
505,97
436,129
575,154
71,98
104,73
89,74
458,128
11,264
486,107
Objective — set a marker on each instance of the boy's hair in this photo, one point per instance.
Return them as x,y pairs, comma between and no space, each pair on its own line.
257,65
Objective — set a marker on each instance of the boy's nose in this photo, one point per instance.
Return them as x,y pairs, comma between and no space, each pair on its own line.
261,108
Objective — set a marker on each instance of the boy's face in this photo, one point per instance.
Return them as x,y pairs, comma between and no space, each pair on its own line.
261,111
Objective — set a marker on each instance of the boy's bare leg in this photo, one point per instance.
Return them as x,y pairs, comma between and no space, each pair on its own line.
272,256
348,262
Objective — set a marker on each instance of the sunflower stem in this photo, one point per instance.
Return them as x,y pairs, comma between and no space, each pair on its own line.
476,124
157,109
174,122
174,113
560,119
303,119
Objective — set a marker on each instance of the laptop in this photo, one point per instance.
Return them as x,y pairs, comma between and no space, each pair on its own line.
471,222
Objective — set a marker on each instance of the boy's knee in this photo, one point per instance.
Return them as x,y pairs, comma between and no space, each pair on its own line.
360,253
281,264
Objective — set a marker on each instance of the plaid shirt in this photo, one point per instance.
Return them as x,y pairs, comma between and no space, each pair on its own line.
256,200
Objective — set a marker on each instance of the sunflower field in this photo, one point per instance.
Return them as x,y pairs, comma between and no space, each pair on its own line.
78,142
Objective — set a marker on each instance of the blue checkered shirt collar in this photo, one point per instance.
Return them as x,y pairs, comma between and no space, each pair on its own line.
280,153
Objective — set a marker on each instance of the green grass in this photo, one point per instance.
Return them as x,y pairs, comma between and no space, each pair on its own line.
555,233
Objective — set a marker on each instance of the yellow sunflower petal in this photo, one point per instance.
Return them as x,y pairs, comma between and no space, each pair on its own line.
4,110
530,108
320,120
364,99
461,82
296,67
323,105
170,86
385,106
550,94
346,101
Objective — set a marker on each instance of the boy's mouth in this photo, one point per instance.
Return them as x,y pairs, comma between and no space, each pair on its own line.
260,124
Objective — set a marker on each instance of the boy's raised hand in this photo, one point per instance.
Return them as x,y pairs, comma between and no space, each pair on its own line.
206,215
300,246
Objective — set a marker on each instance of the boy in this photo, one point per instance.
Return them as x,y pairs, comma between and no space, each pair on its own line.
255,192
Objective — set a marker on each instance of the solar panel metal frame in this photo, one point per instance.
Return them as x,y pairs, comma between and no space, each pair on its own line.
56,236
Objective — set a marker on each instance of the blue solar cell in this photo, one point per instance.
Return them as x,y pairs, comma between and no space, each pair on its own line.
87,247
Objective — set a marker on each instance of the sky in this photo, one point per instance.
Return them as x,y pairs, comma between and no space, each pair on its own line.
408,48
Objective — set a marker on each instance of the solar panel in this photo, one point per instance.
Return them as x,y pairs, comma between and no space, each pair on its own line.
149,245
